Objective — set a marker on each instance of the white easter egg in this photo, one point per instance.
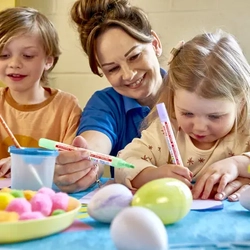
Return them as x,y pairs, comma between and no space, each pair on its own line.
109,201
138,228
245,198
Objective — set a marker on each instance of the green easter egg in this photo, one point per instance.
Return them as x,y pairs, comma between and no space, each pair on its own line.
169,198
57,212
17,193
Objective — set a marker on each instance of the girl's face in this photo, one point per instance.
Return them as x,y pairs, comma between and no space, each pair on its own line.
22,62
204,120
131,67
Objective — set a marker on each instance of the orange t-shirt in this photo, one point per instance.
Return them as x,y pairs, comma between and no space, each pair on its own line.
57,118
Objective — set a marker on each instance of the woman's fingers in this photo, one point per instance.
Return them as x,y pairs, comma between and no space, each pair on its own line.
82,183
233,189
236,195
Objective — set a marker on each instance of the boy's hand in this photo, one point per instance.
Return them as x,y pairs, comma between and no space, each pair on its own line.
4,166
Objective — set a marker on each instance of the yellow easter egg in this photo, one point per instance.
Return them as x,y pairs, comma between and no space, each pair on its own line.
169,198
5,190
8,216
73,204
5,199
28,194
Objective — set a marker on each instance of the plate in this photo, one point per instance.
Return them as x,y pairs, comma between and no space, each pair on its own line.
11,232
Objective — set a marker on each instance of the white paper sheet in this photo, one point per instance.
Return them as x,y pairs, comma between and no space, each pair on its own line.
206,205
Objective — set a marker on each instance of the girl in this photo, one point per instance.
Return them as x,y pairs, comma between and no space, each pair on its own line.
29,50
207,94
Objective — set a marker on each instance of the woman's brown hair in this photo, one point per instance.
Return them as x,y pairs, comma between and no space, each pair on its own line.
94,17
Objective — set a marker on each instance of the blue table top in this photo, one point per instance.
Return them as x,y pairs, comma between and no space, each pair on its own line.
198,230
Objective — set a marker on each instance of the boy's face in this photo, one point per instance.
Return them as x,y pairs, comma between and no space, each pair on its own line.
22,63
204,120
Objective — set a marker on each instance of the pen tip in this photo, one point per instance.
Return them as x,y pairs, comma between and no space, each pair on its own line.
130,165
124,164
120,163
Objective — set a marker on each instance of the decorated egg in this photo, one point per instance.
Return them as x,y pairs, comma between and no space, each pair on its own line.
169,198
138,228
108,202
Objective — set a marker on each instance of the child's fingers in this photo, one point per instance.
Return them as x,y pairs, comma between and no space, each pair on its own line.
186,181
1,173
223,182
209,184
190,175
8,175
204,185
4,169
184,172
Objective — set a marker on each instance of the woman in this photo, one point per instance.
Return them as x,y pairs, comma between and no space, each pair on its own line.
119,42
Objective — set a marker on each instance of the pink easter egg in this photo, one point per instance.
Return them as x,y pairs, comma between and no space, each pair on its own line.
31,216
19,205
60,201
41,203
45,190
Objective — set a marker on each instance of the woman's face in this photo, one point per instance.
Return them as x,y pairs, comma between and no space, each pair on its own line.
131,67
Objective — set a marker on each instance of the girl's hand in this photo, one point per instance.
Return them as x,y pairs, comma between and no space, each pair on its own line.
4,166
221,173
165,171
175,171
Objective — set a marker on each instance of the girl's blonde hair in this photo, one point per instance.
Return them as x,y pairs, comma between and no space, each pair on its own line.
21,20
94,17
213,66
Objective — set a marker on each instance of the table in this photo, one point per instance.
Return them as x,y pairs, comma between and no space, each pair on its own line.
197,231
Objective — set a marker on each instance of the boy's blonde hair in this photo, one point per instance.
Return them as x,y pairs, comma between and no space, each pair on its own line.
213,66
21,20
94,17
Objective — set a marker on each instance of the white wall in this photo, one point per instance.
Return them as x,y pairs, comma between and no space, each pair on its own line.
173,20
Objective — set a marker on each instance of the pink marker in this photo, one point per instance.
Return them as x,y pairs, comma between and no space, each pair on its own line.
169,134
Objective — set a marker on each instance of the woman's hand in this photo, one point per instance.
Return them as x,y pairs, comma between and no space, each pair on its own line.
221,173
74,171
5,167
233,189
